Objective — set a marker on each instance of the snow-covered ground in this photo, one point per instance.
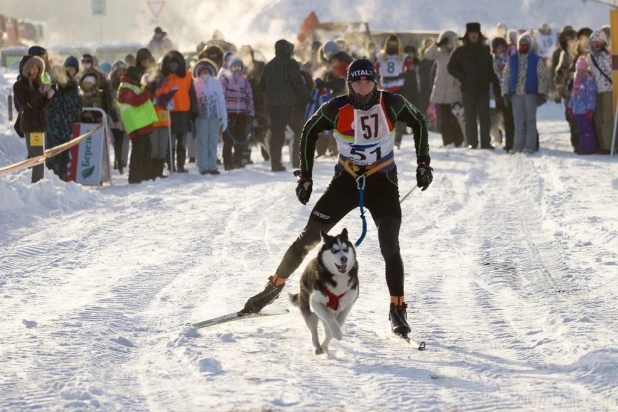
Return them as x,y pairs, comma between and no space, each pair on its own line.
511,269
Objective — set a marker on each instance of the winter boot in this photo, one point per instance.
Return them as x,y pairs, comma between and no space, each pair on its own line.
398,317
160,167
180,157
265,297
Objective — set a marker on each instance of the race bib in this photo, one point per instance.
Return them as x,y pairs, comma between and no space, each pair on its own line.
36,139
365,155
373,137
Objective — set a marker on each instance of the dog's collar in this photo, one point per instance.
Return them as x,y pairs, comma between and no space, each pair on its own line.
333,300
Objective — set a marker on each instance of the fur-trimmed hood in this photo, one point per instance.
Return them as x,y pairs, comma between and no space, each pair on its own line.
89,73
29,63
202,64
170,57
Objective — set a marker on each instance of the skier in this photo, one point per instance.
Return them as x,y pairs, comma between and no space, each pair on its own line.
364,125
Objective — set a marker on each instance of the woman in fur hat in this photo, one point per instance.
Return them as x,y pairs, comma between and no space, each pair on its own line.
33,96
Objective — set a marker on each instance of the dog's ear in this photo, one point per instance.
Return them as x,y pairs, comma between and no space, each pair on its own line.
324,235
344,234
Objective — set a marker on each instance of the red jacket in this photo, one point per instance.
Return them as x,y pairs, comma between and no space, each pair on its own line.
128,96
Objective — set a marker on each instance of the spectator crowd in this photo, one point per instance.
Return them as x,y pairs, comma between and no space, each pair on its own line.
478,91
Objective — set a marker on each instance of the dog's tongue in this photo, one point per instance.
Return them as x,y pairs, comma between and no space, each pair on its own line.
341,268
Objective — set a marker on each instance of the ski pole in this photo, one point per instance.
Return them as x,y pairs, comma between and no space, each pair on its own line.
407,194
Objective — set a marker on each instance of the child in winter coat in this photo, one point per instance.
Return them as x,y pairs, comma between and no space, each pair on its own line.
582,105
91,95
117,128
64,110
240,110
159,140
138,116
212,116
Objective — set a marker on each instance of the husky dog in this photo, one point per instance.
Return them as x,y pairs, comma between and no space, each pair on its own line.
496,119
328,288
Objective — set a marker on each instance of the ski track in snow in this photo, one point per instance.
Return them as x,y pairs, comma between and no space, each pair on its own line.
511,264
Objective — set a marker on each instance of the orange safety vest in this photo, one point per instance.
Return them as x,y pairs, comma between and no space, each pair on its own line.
181,99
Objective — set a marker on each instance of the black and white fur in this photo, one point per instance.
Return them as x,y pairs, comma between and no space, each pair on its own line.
336,268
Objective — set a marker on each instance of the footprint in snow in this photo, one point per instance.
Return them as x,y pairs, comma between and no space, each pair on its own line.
29,323
123,341
210,365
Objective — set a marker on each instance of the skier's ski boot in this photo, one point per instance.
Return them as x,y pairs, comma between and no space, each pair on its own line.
398,317
271,292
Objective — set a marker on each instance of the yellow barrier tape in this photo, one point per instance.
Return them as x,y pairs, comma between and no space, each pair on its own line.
28,163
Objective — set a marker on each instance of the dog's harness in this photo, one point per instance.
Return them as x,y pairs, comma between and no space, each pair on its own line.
352,169
333,300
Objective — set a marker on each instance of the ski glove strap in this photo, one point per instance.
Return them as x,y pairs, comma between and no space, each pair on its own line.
423,176
304,187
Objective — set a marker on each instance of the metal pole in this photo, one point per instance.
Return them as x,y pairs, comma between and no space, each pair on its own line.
407,194
10,101
101,27
169,132
614,136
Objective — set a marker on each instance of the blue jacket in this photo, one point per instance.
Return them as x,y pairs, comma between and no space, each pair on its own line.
532,80
584,98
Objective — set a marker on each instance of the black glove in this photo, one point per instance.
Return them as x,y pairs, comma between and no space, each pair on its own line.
304,187
152,86
423,176
540,100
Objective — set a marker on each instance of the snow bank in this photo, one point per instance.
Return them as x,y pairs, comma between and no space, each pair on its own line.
287,15
22,200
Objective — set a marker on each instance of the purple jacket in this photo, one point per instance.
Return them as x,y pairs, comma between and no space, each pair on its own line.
583,95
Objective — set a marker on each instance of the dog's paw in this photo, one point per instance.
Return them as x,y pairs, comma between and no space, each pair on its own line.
319,351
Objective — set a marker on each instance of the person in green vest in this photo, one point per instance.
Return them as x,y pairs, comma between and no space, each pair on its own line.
138,116
42,53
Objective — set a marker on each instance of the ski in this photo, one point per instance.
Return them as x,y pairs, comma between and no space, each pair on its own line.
405,338
236,316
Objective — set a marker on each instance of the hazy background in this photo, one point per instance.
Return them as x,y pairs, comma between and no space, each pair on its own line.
130,20
264,21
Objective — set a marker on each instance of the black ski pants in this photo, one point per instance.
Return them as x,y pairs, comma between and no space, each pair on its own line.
141,152
339,199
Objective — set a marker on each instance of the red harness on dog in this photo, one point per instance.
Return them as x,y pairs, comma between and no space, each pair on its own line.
333,300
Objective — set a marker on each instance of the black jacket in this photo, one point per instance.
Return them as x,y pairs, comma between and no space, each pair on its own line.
426,77
472,65
397,109
282,80
31,101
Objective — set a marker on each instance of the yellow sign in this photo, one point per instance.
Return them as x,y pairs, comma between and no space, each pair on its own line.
36,139
164,116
